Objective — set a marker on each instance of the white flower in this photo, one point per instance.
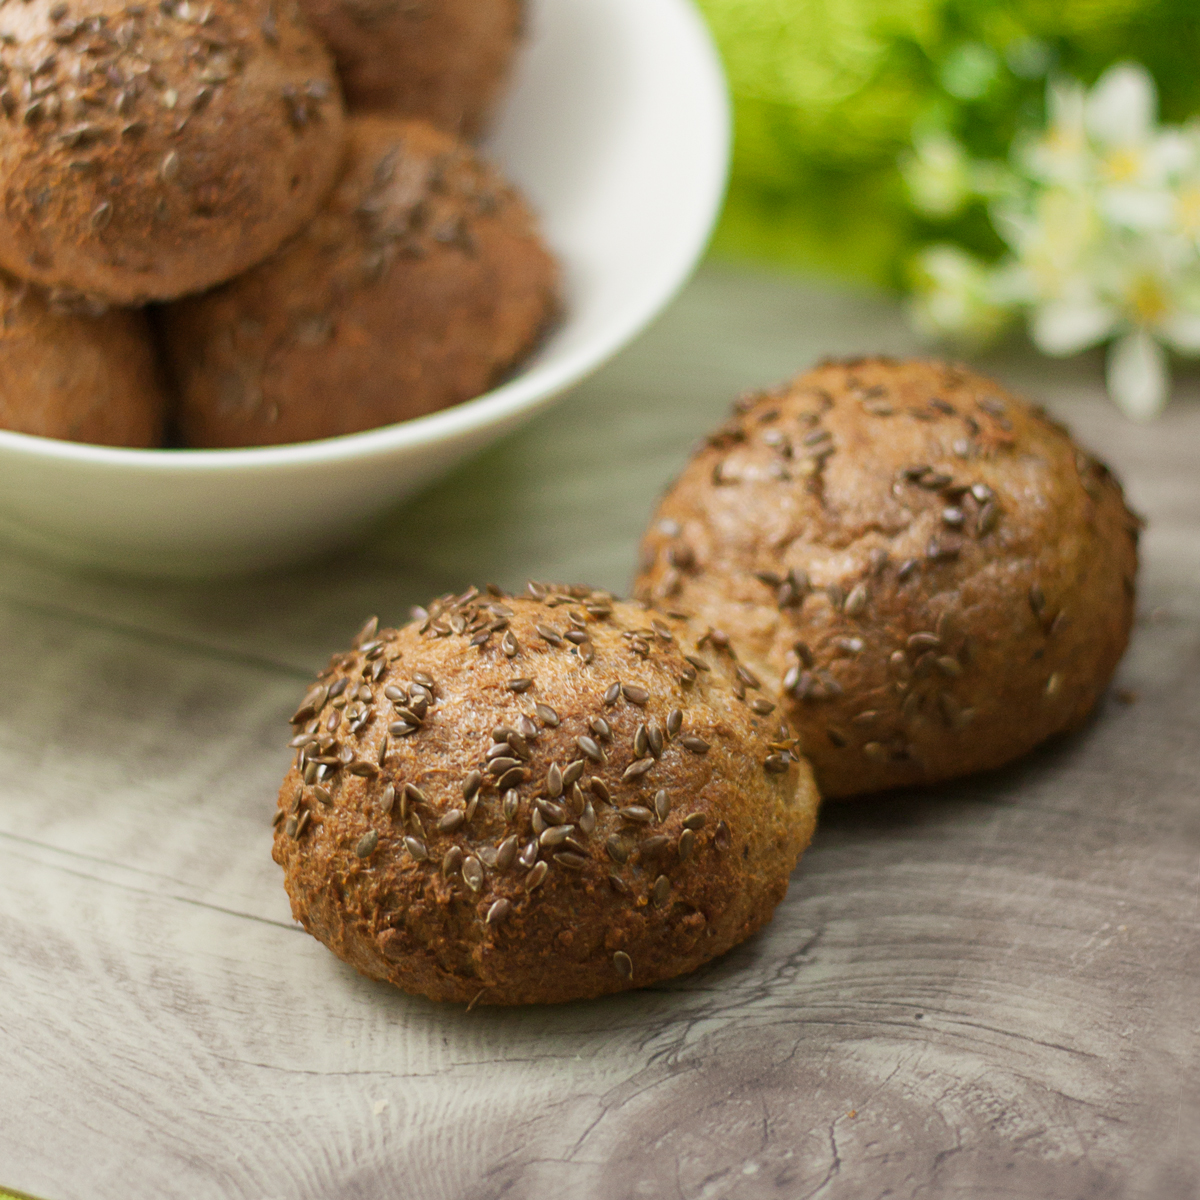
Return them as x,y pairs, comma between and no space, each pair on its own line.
1101,216
1136,162
952,296
1060,154
1106,141
1134,290
1052,234
1139,304
938,175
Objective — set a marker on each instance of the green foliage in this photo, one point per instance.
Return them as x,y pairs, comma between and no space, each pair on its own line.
829,95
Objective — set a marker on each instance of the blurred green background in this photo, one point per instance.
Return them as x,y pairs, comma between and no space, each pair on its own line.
829,95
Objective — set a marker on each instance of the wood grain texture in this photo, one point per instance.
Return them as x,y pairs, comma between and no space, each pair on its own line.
987,990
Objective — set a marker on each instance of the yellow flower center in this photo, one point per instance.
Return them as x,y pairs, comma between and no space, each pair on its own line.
1147,301
1189,210
1062,142
1123,165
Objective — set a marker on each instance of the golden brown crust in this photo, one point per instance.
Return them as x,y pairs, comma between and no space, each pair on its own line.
934,573
76,375
537,799
150,150
420,283
443,61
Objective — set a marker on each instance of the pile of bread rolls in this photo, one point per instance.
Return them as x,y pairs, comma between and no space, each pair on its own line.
880,575
256,222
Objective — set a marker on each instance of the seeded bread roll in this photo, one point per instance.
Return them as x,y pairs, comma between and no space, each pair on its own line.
78,376
932,574
443,61
519,800
149,150
421,283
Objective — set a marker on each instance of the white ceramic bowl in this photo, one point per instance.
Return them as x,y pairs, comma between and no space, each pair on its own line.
618,130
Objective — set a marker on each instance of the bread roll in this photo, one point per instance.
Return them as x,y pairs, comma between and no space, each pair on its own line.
149,150
421,283
77,375
930,572
536,799
443,61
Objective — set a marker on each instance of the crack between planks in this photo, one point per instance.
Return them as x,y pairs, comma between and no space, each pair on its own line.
159,895
22,840
162,638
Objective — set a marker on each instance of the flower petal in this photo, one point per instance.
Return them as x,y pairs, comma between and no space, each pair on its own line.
1142,209
1138,378
1121,107
1181,330
1060,154
1063,327
1172,153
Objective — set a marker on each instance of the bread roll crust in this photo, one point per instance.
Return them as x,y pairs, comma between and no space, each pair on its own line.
522,818
150,150
419,285
442,61
80,376
935,576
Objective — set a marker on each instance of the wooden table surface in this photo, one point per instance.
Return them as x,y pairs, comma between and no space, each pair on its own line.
987,990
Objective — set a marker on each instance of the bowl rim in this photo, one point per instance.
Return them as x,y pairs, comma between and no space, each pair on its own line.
539,384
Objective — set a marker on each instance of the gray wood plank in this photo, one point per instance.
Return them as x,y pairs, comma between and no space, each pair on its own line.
987,990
